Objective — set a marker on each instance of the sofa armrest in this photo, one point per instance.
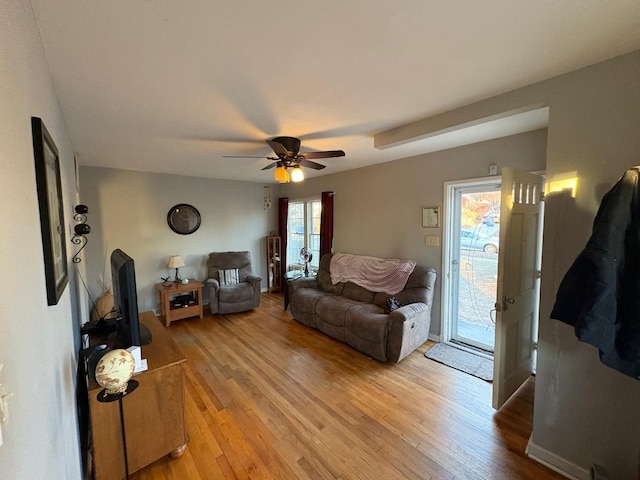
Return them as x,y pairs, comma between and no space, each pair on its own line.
408,312
251,278
408,329
302,282
213,283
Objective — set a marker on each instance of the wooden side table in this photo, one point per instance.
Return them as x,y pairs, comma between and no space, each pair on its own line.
168,292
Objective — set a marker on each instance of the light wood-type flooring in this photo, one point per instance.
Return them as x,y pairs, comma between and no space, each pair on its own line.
268,398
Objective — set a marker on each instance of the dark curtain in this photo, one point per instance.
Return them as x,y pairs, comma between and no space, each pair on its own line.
283,215
326,223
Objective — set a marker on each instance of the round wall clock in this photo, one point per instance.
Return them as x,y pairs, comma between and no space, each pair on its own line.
183,219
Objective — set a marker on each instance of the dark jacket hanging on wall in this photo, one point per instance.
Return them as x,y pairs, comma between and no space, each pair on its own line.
600,294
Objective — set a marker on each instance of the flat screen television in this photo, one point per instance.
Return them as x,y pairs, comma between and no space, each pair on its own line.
128,327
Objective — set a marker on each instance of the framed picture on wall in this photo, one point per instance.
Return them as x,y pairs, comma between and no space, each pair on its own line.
49,186
430,217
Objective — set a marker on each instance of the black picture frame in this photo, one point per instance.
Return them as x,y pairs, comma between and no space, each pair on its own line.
49,185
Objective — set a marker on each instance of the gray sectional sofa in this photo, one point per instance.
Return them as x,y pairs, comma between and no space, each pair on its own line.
358,317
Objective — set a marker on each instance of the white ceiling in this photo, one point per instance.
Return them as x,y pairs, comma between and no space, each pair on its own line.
172,86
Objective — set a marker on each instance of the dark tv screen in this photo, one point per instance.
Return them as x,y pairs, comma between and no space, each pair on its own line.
123,277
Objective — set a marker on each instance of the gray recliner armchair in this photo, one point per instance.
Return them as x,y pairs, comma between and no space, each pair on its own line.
232,285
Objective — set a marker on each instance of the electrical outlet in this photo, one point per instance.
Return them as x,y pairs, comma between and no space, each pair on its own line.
432,241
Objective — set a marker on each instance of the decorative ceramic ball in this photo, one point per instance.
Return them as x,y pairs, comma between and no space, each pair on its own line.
114,371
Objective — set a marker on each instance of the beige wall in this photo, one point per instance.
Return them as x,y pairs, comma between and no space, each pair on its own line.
378,209
584,413
128,210
37,346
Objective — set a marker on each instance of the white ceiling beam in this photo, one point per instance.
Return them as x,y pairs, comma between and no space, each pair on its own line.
520,120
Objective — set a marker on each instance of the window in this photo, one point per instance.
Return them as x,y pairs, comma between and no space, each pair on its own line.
303,227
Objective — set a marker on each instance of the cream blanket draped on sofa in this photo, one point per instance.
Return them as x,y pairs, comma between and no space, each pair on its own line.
375,274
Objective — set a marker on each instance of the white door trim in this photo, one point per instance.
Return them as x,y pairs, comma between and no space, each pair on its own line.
447,246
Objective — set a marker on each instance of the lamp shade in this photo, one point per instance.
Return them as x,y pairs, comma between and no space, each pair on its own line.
281,174
175,262
296,174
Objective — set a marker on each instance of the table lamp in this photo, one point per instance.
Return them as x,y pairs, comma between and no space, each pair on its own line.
176,262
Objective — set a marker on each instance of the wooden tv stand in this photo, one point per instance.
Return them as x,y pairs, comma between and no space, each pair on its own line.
153,414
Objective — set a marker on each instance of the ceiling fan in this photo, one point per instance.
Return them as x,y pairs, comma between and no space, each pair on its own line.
288,156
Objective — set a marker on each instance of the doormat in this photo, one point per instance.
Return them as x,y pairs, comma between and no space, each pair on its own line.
470,363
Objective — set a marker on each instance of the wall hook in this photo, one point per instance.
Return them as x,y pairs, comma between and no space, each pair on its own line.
80,230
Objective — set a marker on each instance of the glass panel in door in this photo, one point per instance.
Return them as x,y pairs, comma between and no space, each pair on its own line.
476,254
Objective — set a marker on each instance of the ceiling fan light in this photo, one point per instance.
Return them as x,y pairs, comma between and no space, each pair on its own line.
296,174
281,175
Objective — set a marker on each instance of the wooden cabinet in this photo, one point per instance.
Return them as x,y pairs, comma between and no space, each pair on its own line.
171,309
153,413
274,264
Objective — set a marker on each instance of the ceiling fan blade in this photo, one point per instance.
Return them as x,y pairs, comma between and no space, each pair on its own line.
327,154
271,165
309,164
278,148
286,149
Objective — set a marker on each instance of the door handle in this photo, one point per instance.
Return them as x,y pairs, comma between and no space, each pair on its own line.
506,301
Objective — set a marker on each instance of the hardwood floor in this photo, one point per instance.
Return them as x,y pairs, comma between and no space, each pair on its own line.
268,398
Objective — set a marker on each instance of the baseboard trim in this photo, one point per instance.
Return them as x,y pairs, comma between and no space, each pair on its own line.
556,463
434,338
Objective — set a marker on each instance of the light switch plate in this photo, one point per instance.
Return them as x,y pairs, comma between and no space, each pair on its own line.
432,241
